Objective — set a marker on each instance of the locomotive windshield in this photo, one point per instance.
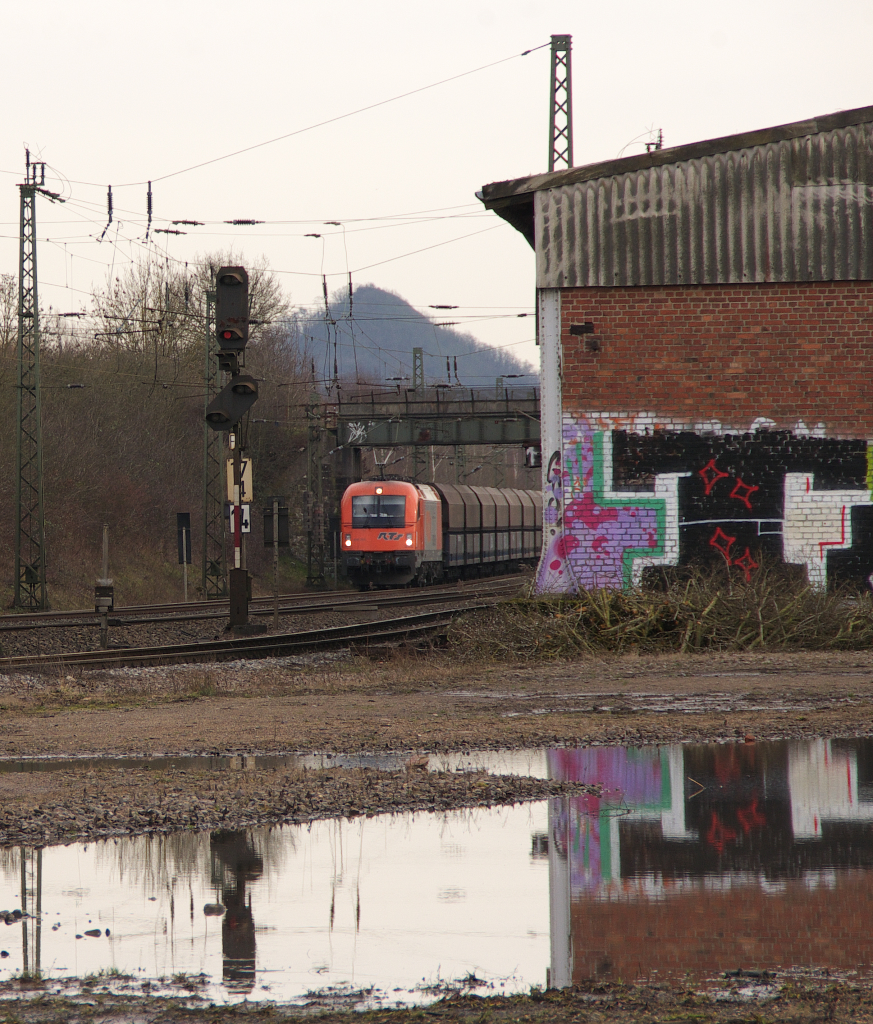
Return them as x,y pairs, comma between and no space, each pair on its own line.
371,510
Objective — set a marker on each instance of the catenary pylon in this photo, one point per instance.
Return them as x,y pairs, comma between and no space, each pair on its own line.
30,586
561,105
214,581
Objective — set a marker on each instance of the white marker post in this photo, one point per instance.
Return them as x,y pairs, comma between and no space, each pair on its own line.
183,539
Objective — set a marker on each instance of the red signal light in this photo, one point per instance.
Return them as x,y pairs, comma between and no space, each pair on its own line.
231,308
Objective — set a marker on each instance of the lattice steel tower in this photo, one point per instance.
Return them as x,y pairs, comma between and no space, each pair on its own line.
561,105
313,512
419,453
31,905
212,556
30,589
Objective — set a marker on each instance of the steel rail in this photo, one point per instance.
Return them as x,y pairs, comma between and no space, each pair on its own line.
259,646
290,604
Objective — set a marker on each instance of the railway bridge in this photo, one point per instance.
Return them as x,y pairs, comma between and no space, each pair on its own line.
440,416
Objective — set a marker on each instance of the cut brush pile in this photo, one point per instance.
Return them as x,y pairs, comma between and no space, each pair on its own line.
702,612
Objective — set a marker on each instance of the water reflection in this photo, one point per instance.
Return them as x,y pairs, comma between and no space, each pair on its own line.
693,860
235,862
391,907
704,857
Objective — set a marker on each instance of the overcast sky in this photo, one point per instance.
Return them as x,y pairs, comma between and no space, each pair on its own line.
120,94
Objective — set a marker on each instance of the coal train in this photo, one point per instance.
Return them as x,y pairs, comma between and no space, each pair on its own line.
396,532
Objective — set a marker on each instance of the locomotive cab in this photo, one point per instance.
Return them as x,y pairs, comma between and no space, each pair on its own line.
390,533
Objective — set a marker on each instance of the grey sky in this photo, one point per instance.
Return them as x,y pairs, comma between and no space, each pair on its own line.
110,93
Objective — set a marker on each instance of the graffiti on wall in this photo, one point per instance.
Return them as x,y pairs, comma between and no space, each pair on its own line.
618,501
596,536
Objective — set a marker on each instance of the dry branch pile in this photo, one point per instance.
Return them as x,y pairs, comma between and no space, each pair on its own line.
704,611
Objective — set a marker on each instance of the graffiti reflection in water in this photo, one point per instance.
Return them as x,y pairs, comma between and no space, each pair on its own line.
702,858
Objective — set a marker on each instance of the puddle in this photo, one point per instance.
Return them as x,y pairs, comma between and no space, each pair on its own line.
695,860
624,703
394,906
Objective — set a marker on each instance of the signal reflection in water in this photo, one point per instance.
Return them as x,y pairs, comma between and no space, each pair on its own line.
400,905
702,858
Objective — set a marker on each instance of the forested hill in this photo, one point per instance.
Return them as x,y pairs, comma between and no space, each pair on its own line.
375,344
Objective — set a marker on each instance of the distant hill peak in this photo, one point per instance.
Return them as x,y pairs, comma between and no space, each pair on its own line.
376,341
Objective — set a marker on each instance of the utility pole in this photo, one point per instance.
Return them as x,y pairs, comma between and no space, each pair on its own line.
214,578
314,496
460,463
561,105
418,369
419,454
31,906
104,593
30,588
497,460
275,565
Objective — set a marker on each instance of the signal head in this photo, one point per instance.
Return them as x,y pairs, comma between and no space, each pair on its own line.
232,308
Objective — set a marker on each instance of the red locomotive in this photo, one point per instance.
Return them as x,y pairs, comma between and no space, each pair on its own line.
395,532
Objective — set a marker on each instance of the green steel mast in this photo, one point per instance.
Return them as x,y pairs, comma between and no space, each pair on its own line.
30,586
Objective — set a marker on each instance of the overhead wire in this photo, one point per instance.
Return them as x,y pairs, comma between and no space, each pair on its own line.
321,124
85,209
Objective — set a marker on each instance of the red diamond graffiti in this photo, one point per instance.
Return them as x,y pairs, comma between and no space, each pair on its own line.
711,475
722,542
742,492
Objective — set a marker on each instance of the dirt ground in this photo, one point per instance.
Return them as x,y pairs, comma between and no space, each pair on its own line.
413,704
788,1000
432,702
408,704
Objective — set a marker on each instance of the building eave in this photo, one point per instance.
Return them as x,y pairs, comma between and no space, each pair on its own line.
513,199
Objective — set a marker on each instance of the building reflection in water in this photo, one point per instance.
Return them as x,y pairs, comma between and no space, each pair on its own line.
702,858
235,862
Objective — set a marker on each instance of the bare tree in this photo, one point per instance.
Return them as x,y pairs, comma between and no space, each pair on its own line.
158,308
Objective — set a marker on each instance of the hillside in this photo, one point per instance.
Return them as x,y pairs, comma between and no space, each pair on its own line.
375,343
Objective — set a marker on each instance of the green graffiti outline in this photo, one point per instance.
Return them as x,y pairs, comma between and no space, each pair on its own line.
657,505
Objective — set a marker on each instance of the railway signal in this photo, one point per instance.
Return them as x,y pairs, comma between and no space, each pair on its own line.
228,407
231,317
232,402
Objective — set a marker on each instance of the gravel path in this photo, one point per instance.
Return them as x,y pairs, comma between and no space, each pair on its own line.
44,808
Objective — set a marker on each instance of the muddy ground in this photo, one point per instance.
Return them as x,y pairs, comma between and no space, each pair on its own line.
411,704
434,702
778,1000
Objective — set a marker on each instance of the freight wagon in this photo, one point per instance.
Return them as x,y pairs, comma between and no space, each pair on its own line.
395,532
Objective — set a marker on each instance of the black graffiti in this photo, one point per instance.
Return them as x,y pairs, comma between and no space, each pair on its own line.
731,502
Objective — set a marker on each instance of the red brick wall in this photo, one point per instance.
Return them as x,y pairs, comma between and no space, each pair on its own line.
708,932
731,353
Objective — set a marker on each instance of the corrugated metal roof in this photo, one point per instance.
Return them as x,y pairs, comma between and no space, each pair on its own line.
791,203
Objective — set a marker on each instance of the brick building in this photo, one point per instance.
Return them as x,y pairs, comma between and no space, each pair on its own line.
706,336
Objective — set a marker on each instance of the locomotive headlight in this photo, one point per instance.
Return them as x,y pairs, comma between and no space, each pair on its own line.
348,540
409,540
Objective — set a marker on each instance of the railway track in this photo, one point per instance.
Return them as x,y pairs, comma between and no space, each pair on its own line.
450,601
289,604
